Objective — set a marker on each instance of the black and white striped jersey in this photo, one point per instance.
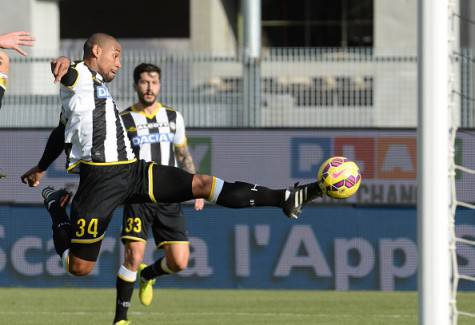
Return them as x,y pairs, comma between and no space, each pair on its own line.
94,132
155,136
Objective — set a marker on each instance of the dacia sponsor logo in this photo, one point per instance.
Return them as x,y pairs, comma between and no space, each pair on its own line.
102,92
152,138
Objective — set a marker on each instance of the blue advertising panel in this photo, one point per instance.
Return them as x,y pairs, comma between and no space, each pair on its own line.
343,248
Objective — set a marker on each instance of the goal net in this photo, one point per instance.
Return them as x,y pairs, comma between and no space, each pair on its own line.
461,108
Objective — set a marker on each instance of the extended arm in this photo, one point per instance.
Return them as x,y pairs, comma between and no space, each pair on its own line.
15,40
53,149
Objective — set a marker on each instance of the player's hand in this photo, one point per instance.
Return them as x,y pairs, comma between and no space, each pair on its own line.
199,204
59,67
33,176
15,40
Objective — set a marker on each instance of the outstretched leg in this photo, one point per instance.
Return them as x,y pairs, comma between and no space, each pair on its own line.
244,195
175,185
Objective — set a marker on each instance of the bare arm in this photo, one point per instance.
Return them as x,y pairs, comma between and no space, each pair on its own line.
53,149
185,161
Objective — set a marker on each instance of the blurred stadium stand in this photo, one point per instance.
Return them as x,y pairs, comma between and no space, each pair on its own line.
299,88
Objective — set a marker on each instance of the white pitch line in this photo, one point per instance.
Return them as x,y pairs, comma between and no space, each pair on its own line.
278,314
137,313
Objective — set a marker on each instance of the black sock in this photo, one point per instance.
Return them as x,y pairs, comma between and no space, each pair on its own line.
61,230
62,239
244,195
154,270
124,295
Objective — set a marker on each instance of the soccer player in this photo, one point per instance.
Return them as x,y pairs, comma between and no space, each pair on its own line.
97,147
11,41
157,134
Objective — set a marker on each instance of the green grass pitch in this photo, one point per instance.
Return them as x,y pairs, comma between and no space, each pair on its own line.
216,307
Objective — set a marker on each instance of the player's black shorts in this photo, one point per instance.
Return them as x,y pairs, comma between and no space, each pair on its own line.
101,190
104,187
166,221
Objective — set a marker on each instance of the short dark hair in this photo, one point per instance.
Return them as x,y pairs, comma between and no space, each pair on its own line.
146,67
96,39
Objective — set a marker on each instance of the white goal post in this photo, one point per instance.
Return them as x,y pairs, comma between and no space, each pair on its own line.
433,208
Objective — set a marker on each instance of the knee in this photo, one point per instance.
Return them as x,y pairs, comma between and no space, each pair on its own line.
201,186
4,62
133,256
177,258
178,265
81,269
132,260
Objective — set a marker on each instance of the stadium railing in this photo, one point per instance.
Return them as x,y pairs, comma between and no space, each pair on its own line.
311,87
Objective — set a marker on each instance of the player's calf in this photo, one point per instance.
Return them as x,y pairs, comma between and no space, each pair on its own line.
124,288
126,276
236,195
243,195
134,254
55,202
61,225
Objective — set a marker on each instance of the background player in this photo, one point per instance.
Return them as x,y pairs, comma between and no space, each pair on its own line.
98,149
157,134
11,41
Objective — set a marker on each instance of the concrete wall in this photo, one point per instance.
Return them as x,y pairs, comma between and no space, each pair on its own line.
395,32
41,18
212,26
395,26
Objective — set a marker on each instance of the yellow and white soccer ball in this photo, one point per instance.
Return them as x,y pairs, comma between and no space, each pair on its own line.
339,177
